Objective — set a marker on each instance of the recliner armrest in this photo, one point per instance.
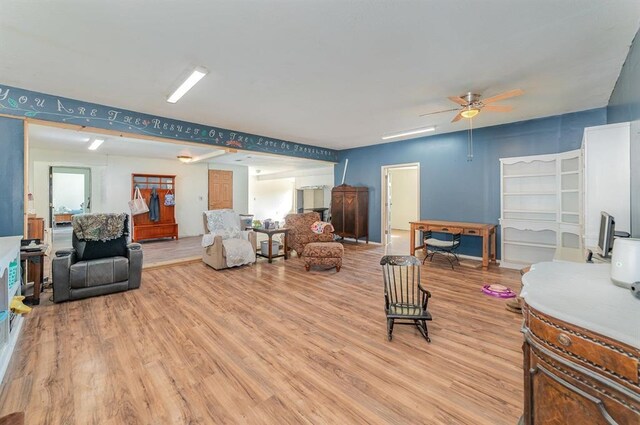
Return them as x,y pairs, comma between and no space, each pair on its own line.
61,269
65,252
134,254
253,238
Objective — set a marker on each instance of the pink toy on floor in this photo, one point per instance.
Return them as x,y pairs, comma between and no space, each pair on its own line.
499,291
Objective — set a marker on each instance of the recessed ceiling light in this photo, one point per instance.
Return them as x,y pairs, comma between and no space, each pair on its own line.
409,133
96,144
197,75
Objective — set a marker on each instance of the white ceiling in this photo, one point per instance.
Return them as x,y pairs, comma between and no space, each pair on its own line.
333,73
43,137
267,164
54,138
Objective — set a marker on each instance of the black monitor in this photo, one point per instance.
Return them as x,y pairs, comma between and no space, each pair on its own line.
607,231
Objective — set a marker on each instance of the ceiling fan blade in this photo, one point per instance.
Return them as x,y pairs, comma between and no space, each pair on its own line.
498,108
439,112
457,117
458,100
505,95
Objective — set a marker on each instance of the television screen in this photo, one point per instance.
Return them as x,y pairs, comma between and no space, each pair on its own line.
607,230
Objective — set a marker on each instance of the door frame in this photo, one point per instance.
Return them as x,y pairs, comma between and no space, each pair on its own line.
385,238
88,182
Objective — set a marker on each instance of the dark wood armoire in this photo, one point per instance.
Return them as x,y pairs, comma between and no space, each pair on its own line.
350,211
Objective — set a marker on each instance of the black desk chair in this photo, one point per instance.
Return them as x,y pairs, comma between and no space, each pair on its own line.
405,300
446,247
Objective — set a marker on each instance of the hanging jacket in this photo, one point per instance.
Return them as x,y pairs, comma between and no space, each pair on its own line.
154,206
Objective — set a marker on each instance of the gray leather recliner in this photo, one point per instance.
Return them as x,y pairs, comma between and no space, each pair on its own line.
79,273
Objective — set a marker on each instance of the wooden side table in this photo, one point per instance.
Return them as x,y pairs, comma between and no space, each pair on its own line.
270,233
34,270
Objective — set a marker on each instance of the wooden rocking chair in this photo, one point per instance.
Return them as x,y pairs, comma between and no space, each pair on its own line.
405,298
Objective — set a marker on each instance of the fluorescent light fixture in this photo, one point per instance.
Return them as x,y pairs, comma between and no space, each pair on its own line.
209,155
96,144
197,75
410,133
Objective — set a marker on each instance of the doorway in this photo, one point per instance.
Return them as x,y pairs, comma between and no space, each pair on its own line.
400,205
69,194
220,189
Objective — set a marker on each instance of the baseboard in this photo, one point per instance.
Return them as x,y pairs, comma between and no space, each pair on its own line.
514,266
363,241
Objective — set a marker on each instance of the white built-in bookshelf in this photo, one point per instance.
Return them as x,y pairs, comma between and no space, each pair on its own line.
541,206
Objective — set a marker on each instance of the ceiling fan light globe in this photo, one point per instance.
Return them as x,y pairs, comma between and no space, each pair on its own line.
470,113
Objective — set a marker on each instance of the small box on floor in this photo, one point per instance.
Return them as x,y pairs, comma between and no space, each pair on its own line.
264,247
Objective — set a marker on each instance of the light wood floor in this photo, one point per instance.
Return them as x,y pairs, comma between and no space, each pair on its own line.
271,343
157,253
164,251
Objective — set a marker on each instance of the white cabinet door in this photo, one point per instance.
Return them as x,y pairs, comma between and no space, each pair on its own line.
607,178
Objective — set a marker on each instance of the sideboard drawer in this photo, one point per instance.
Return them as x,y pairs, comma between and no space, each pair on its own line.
472,232
590,350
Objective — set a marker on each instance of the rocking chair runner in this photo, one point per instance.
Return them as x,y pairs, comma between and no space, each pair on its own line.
405,298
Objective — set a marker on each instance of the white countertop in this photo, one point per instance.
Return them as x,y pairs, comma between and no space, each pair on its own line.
582,294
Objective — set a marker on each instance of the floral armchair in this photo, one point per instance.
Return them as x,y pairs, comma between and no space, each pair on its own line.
300,232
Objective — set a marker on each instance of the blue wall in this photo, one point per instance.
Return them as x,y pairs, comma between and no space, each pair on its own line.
12,177
624,103
452,188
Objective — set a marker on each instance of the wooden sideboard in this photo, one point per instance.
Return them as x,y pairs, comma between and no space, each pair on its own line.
35,228
486,231
62,218
574,374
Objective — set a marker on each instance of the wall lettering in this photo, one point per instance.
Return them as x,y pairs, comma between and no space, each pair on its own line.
25,103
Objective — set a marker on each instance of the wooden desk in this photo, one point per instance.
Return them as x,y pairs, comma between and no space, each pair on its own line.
486,231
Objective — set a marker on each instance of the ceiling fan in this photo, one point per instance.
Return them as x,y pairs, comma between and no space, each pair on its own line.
471,104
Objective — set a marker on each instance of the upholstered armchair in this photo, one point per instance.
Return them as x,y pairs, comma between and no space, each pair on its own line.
100,262
224,244
300,232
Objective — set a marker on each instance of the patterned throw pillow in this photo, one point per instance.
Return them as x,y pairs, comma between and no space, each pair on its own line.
319,226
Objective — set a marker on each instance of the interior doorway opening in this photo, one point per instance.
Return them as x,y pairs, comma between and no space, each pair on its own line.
69,194
400,205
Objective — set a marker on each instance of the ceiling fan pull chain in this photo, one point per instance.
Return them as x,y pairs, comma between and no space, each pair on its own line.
470,142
